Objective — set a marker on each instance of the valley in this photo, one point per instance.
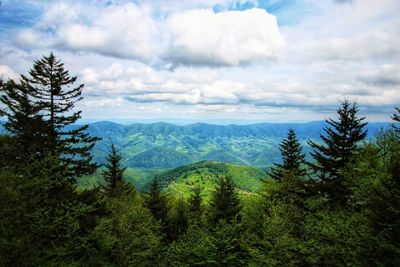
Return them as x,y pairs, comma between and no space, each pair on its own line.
185,156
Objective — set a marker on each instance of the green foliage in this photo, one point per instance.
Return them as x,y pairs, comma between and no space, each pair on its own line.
24,123
206,174
340,146
178,221
194,248
158,157
196,206
227,244
292,157
129,236
113,176
376,192
334,237
49,86
156,202
162,145
138,177
225,203
44,220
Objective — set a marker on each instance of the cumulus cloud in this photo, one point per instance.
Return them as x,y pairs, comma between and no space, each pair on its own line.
335,51
202,37
189,37
143,84
125,31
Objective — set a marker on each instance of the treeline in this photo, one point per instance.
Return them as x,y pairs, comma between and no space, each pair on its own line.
342,209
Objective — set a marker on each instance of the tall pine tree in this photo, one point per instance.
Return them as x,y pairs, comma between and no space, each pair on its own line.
178,222
52,90
292,157
156,202
195,206
225,203
113,174
24,123
340,145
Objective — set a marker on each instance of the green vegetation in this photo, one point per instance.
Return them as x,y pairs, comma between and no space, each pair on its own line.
206,174
163,146
114,183
224,214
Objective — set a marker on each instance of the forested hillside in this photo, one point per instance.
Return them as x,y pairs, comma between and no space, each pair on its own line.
205,175
339,206
162,145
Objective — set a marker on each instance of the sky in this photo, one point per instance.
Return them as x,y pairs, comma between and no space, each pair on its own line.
213,60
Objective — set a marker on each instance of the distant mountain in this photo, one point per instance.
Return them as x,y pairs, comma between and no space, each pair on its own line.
164,145
158,156
205,174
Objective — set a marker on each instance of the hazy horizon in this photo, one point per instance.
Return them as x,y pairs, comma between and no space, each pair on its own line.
182,122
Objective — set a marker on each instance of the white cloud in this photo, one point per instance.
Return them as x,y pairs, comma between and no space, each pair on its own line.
385,75
184,37
202,37
126,31
336,51
7,73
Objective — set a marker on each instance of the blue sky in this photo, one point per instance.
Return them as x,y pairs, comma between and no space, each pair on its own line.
266,60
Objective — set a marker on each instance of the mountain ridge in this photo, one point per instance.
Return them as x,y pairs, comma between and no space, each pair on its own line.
147,145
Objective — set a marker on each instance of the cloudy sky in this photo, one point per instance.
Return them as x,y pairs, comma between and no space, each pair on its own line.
207,60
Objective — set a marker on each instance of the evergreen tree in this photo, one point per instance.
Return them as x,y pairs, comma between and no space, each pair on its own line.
396,118
227,244
115,183
156,202
129,237
179,220
195,206
340,145
43,220
194,248
292,157
225,202
49,85
24,122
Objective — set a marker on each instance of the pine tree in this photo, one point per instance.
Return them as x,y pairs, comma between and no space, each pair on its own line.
179,221
195,205
396,118
156,202
225,202
49,84
340,145
115,184
24,122
292,157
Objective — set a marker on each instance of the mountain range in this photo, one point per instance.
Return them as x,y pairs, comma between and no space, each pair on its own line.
165,146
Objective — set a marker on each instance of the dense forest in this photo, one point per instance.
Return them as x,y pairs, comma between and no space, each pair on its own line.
339,208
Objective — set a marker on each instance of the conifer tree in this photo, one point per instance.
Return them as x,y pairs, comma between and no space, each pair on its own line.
24,122
292,157
225,202
115,183
340,145
49,85
396,118
195,205
156,202
179,220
